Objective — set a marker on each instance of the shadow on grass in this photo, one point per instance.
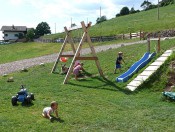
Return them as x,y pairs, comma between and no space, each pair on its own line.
56,119
26,104
105,82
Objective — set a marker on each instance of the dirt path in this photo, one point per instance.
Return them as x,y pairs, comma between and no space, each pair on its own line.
18,65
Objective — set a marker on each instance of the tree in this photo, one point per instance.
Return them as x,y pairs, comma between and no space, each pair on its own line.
73,25
124,11
166,2
101,19
41,29
30,34
117,15
132,11
146,5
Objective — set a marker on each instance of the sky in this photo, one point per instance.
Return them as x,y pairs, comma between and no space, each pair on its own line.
59,13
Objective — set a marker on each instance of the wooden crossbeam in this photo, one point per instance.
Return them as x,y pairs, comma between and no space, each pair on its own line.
86,58
66,55
68,39
154,39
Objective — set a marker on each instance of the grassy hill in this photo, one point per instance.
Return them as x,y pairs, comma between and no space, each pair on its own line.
93,103
145,20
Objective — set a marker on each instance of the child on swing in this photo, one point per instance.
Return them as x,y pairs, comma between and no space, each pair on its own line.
118,62
77,62
77,70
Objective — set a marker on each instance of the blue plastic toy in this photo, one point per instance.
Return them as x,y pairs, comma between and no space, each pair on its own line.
169,95
22,96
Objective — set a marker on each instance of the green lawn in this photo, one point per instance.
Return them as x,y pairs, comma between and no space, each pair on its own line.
19,51
91,104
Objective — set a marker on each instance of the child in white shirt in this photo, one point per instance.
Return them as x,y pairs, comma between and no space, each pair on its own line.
47,111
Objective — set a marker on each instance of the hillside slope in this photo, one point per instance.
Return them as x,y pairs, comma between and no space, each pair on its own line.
145,20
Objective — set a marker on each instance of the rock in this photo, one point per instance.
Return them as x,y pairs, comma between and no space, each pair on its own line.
10,79
42,64
4,75
122,45
24,70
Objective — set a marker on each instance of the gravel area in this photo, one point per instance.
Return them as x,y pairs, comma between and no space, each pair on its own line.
26,63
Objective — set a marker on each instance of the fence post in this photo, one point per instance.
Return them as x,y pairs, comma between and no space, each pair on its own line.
158,44
123,37
148,40
140,34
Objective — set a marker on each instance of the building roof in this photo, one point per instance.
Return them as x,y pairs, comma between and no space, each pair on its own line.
14,28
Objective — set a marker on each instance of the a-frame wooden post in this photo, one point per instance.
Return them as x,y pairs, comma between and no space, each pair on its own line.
76,56
68,39
154,39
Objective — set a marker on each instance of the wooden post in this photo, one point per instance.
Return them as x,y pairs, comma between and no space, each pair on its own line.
123,37
140,34
94,54
154,39
148,39
76,56
130,36
73,61
158,44
68,38
143,36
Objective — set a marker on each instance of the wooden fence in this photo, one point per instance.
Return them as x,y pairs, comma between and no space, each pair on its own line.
98,38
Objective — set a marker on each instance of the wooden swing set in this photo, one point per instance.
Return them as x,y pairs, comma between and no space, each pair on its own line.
76,52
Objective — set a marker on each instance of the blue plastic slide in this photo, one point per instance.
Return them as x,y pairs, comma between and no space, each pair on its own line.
136,67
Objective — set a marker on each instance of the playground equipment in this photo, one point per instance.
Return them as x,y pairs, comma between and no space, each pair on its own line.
149,71
76,53
135,67
142,62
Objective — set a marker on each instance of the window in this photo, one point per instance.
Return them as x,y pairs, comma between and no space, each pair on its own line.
16,35
6,35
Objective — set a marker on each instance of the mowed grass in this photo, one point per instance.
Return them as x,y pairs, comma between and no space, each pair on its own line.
90,104
19,51
147,21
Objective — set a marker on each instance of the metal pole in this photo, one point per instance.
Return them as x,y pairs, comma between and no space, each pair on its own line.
55,28
158,10
71,22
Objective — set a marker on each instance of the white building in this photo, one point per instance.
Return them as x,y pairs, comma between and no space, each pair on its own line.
13,32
